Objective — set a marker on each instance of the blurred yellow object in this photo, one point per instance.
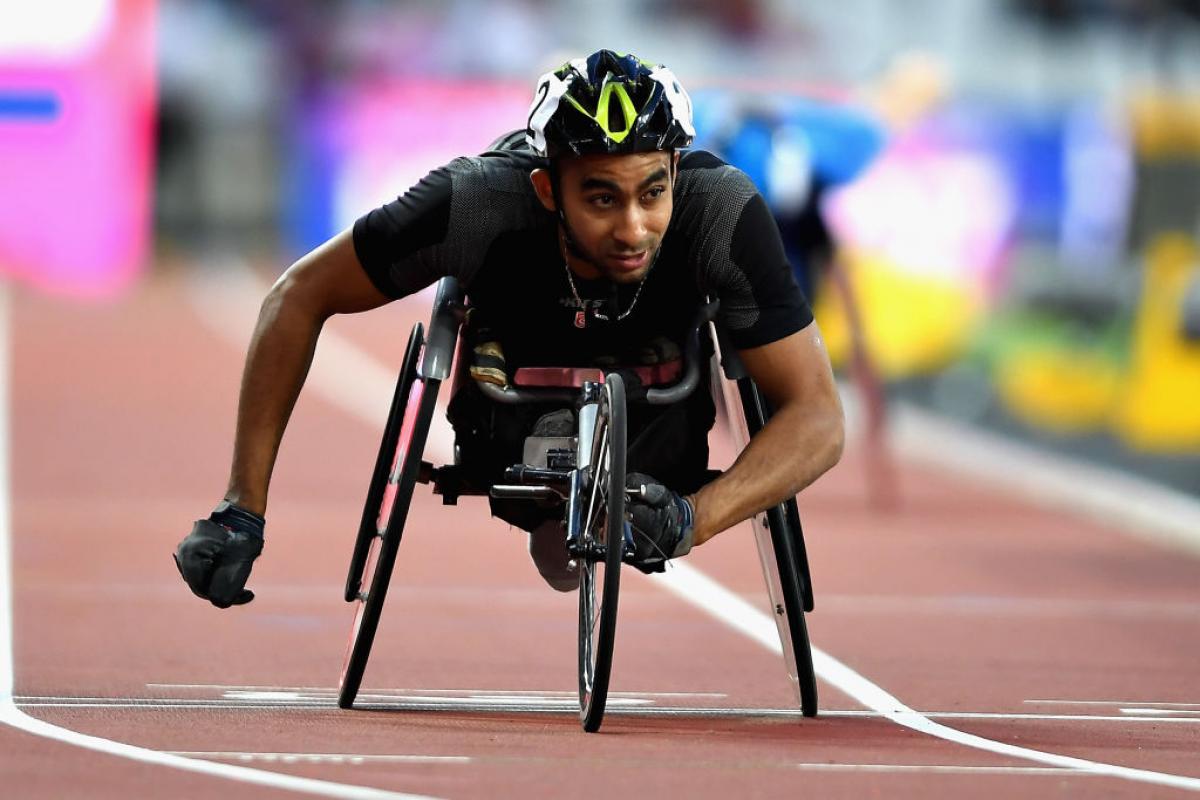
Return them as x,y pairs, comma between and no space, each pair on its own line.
912,324
1060,390
915,82
1165,124
1159,408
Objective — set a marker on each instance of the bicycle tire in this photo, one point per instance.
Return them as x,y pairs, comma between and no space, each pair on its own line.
598,625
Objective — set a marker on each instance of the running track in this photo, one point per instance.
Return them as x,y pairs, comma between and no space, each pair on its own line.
967,614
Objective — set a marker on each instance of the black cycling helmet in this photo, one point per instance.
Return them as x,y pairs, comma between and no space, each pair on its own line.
609,103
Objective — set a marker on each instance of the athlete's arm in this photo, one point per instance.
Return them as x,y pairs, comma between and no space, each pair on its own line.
329,280
803,439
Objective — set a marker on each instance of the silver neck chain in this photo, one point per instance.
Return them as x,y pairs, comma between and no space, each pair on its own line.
595,311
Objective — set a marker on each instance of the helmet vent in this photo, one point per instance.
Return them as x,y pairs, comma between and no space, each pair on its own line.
616,118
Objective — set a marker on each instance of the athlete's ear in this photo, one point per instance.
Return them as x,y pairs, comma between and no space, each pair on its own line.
540,178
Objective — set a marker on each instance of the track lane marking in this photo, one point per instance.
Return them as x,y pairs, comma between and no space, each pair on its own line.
547,706
1113,703
701,591
332,691
697,589
1127,503
233,297
14,717
358,759
320,758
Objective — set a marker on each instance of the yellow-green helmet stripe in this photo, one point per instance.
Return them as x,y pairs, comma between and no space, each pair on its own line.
628,111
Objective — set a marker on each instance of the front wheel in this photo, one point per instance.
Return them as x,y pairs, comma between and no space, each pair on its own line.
602,541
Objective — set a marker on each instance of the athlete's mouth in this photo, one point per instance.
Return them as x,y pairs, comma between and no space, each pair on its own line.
631,262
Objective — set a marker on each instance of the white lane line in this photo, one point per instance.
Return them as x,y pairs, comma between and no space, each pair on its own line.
1113,703
697,589
701,591
1181,711
356,759
988,605
950,769
332,691
320,758
14,717
555,706
1112,498
227,297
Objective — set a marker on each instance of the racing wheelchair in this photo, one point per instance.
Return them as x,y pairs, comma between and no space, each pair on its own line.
585,474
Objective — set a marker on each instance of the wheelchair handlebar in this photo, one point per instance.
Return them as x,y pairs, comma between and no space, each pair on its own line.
658,397
691,362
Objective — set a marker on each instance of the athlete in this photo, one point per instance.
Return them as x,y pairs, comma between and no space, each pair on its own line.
593,241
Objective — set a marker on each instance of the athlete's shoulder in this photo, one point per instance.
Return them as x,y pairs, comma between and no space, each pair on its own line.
709,192
702,172
709,195
502,171
447,223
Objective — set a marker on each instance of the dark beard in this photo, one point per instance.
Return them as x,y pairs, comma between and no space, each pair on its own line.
577,251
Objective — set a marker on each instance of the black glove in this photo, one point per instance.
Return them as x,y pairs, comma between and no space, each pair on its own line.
215,558
662,523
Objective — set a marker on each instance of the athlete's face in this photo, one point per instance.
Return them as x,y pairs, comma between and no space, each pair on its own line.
617,208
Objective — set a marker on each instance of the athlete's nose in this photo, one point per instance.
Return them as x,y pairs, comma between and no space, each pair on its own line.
630,230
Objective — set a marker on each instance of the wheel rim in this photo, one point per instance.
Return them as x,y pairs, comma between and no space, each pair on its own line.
603,540
592,572
360,606
393,508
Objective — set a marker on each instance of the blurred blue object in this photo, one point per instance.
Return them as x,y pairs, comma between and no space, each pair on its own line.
34,106
843,141
838,141
794,149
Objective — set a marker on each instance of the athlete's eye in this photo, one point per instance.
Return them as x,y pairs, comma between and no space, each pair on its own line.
602,200
654,193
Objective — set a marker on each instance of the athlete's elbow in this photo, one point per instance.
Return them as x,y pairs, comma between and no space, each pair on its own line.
834,439
296,292
821,440
827,440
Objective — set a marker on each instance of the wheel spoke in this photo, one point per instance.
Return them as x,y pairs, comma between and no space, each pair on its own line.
598,488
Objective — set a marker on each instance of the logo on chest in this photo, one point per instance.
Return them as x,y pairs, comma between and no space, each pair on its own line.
581,308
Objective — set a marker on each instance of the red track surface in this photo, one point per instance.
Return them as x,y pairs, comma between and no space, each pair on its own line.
961,600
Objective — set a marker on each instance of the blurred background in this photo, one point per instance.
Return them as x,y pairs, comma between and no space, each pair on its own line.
995,204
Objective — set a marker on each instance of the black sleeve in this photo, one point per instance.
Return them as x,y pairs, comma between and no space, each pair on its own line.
760,299
394,242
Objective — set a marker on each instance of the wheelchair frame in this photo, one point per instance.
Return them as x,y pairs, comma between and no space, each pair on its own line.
398,467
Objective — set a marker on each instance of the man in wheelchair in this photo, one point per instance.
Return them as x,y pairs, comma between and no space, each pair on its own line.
587,239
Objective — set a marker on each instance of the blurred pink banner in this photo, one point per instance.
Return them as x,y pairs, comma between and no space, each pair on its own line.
77,104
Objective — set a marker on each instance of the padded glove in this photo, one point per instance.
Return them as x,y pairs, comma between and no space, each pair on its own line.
487,356
487,364
662,523
215,558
